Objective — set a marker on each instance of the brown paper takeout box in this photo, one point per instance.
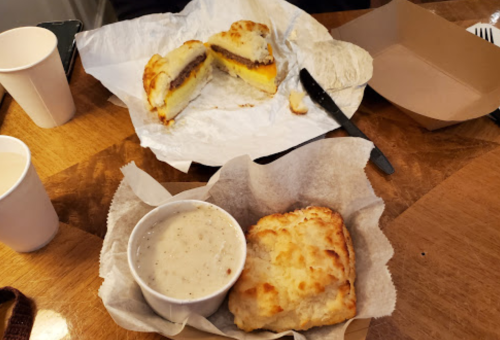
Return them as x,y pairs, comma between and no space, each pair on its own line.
433,70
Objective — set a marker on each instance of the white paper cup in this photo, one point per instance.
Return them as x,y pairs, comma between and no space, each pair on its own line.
28,220
31,71
178,310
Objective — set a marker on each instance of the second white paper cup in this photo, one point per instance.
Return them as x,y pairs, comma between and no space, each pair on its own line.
31,71
28,220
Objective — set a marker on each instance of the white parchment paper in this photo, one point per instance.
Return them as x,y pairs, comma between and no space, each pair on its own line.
230,118
326,173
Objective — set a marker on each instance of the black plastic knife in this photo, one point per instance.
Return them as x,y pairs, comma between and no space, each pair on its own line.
322,98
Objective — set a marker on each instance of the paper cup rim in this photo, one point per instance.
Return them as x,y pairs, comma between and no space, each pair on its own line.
26,166
172,300
24,67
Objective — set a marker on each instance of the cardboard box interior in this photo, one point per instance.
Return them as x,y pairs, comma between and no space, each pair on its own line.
432,69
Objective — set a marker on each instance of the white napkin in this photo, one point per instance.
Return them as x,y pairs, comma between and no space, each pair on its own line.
229,118
144,186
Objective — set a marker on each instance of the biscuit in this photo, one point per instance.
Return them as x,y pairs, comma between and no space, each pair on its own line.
244,52
246,39
171,82
299,273
296,104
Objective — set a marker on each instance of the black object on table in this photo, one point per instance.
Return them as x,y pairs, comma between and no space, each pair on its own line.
325,101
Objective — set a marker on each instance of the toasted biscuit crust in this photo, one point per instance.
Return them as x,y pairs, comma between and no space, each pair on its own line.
246,39
155,81
299,273
161,72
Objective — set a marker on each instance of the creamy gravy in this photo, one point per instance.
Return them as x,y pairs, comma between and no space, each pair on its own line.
11,169
191,254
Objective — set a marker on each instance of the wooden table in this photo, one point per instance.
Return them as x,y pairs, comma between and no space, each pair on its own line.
442,210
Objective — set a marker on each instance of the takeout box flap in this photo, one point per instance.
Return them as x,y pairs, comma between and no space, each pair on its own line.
429,123
434,70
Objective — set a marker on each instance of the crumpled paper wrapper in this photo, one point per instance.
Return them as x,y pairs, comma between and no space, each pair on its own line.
230,118
326,173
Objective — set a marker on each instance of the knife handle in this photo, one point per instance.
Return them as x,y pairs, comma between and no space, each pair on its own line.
353,130
376,156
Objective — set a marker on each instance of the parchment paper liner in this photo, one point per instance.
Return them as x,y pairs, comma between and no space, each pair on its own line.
327,173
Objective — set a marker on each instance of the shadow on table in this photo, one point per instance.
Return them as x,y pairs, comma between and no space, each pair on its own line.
4,104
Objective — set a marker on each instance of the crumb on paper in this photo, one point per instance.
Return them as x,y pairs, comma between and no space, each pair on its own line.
149,107
296,104
166,122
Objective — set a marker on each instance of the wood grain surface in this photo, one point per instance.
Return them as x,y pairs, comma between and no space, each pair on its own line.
97,125
63,281
442,210
82,193
446,261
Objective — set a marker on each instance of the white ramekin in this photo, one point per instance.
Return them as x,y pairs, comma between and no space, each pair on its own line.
178,310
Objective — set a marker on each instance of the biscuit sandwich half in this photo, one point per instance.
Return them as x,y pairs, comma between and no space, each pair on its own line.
243,51
171,82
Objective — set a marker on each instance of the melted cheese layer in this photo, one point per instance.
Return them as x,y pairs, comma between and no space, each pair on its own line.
262,77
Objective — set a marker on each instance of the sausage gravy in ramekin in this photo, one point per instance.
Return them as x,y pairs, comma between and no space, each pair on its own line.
185,256
189,254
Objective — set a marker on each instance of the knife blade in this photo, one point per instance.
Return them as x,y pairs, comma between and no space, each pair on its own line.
319,96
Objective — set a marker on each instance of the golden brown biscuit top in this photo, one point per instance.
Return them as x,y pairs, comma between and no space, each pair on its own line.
246,39
299,273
